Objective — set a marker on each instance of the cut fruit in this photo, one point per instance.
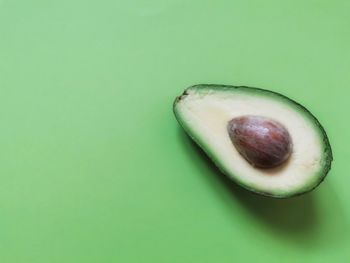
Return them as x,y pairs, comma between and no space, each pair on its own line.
206,113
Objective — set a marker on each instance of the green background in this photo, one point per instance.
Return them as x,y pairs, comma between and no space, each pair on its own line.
95,168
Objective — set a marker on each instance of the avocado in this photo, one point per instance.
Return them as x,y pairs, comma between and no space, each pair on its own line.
262,140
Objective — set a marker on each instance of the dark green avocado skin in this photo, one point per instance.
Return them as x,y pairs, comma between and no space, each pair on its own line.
327,149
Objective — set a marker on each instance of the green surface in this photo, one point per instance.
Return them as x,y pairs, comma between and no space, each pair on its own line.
95,168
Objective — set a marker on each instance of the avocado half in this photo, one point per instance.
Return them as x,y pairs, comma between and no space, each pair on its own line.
204,111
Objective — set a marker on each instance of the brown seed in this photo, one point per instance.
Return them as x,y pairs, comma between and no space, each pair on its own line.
263,142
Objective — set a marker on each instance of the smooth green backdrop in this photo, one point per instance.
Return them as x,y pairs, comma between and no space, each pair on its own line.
95,168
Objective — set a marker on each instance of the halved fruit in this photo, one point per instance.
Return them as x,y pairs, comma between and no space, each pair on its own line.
244,129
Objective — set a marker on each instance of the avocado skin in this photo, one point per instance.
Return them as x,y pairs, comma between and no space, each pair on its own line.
327,147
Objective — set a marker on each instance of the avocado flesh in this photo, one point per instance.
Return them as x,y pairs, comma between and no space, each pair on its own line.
204,111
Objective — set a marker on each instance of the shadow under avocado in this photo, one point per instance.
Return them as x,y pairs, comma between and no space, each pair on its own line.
293,216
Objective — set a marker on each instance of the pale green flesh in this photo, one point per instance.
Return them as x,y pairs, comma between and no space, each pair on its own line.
314,175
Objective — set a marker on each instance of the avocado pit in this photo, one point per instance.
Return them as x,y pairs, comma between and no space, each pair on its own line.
263,142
